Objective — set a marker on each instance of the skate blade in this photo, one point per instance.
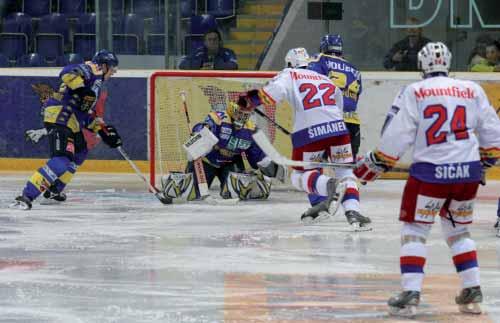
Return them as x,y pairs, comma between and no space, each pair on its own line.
49,202
323,216
407,311
18,206
355,227
472,308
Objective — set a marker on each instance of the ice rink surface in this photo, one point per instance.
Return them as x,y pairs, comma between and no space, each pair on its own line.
113,253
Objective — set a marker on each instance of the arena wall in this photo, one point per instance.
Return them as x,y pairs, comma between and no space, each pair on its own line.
127,108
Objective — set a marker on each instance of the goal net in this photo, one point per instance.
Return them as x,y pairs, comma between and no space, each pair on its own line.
205,91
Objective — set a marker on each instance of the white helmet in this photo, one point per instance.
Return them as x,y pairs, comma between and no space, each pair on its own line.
434,57
297,57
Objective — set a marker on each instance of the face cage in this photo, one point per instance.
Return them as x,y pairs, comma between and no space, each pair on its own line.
240,118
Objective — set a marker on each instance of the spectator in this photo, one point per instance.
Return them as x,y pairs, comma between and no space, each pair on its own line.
211,56
491,63
478,53
403,54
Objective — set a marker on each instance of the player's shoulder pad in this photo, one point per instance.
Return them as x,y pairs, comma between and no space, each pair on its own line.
250,125
76,69
218,117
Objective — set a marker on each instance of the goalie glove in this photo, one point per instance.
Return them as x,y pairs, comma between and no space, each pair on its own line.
271,169
370,167
34,135
110,136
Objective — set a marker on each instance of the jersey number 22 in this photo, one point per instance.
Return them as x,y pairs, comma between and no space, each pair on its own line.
310,100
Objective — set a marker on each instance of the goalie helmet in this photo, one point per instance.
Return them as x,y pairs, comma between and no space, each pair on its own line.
331,44
434,58
297,57
238,116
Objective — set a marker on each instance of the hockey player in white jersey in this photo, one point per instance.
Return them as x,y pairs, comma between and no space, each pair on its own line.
455,133
319,130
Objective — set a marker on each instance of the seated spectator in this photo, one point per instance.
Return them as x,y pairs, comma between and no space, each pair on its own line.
492,61
478,53
211,56
403,54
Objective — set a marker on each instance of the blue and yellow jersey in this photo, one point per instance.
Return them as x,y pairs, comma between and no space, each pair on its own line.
345,76
232,142
62,108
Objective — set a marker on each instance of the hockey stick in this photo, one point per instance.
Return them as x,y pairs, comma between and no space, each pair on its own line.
198,163
268,148
198,167
265,116
151,188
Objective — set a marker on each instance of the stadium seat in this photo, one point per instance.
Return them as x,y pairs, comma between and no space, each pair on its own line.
188,8
72,8
86,23
54,23
50,46
146,8
73,58
125,44
4,61
128,33
31,60
221,9
13,45
192,43
18,22
200,24
155,40
36,8
84,44
118,7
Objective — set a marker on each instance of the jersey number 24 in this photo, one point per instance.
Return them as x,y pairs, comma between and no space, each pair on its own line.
458,124
310,100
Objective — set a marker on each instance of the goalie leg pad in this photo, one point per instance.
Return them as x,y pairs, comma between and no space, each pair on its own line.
179,185
247,186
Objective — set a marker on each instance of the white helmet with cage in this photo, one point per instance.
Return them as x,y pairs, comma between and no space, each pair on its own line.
434,58
297,57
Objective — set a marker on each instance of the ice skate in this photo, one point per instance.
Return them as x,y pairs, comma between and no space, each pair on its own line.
497,228
469,300
357,221
327,208
404,304
52,198
21,203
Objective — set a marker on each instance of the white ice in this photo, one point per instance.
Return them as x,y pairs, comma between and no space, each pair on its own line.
113,253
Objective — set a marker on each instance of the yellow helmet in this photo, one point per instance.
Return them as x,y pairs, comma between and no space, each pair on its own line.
238,116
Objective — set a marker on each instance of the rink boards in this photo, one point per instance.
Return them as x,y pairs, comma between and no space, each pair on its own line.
128,104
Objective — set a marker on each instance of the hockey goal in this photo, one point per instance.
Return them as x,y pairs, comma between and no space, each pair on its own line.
205,91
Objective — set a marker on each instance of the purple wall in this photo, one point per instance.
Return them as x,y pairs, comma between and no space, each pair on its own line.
126,109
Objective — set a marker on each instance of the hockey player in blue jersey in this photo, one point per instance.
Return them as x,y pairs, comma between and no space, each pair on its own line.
65,114
347,77
233,132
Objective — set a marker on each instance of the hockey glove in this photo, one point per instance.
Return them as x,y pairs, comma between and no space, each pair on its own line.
271,169
486,163
84,98
34,135
110,136
369,167
250,101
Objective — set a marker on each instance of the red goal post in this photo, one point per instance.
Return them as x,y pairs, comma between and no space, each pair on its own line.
205,91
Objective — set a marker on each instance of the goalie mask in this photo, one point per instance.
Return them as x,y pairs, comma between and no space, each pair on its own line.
237,115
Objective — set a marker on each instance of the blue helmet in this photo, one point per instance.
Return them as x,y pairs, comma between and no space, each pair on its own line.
105,57
331,44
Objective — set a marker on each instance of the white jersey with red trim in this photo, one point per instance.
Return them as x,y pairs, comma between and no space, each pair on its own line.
316,101
448,122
